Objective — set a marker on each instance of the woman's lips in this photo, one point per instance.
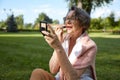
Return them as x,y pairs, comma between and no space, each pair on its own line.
68,26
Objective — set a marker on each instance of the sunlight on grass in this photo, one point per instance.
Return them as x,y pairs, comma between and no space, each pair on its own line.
104,35
20,35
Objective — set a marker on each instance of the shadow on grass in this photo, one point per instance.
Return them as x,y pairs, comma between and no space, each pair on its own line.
108,58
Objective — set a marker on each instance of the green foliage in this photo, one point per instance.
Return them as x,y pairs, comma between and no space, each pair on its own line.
88,5
20,21
11,24
2,25
119,22
28,26
43,17
56,21
107,23
111,19
96,24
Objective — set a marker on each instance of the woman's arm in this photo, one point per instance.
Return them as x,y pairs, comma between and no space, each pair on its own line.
69,72
64,63
54,64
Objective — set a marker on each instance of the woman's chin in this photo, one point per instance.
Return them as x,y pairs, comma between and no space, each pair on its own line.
69,31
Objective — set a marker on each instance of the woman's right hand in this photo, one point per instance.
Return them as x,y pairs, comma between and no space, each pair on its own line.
59,33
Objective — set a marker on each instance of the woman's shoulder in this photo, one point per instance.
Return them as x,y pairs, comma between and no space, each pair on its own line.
86,40
88,44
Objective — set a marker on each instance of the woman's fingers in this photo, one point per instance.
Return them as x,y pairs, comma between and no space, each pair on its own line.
47,34
51,29
51,37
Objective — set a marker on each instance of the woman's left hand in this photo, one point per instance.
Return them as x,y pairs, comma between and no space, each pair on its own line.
52,38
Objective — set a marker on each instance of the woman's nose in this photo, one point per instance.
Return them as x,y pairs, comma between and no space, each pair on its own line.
68,21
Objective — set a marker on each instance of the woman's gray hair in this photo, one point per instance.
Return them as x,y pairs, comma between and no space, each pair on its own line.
82,16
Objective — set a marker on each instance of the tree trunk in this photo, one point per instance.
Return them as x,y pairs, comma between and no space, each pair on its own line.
79,5
86,8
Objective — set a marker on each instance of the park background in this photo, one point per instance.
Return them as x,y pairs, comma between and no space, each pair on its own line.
23,48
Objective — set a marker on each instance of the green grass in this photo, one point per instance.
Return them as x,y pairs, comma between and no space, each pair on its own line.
22,52
108,56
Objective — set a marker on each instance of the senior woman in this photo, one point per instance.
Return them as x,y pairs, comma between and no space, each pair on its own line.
74,52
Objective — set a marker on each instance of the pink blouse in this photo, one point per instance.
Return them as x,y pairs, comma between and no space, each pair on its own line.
82,55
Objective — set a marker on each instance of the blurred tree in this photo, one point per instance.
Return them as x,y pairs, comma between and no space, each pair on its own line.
28,26
35,26
119,23
2,25
95,24
43,17
87,5
11,24
111,18
56,21
20,21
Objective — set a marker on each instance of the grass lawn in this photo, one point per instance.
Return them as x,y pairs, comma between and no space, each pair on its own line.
22,52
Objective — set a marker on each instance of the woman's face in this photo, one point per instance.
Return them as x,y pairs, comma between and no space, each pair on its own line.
72,24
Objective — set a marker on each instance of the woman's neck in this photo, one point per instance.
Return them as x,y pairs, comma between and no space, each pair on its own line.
76,35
